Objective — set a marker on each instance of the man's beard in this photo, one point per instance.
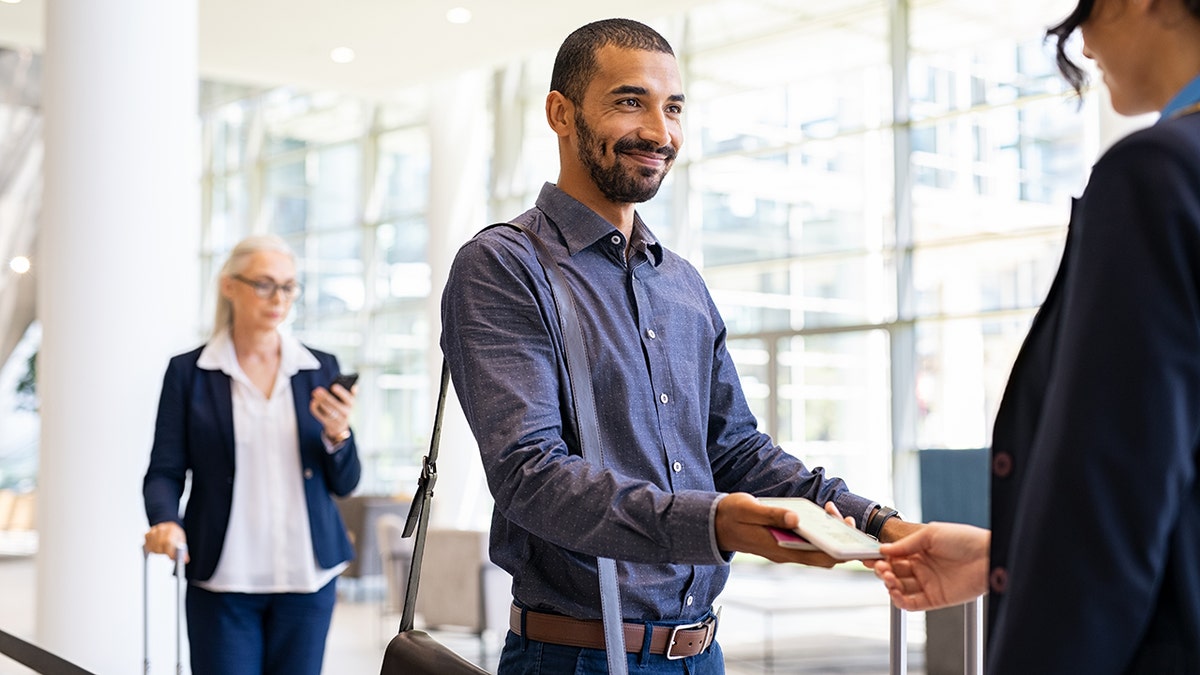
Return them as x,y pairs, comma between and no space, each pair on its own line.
616,183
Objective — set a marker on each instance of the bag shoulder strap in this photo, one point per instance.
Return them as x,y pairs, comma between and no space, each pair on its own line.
580,381
589,438
418,511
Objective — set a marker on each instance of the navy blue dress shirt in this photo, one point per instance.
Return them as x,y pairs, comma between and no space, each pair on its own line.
676,431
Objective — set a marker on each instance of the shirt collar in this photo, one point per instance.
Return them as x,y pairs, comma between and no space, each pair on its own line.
586,226
219,354
1189,95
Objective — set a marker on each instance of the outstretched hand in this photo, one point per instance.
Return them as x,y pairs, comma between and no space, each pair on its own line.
742,524
939,565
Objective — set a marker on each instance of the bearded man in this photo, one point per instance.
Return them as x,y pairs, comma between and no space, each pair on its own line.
684,460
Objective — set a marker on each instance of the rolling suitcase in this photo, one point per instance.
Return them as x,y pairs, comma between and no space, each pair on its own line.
179,554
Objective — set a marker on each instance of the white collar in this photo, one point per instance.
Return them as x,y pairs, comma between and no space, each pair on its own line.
219,354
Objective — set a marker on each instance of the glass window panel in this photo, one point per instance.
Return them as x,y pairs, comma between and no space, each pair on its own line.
401,267
318,191
295,121
732,40
400,412
229,211
403,174
230,136
754,362
1000,170
834,406
731,118
286,197
962,368
335,177
331,269
338,335
817,197
988,275
808,293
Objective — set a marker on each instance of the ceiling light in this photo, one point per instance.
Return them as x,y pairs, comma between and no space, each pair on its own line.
459,15
342,55
11,2
19,264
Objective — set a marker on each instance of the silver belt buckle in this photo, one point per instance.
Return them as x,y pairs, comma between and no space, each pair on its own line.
710,626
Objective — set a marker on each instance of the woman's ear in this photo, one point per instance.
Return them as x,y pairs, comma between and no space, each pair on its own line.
560,114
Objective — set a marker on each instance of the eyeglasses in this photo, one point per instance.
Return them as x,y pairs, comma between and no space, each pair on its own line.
266,289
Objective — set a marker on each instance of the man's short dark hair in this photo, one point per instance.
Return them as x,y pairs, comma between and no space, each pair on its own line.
575,65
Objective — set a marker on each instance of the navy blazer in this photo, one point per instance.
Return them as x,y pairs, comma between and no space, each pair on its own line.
1095,558
194,433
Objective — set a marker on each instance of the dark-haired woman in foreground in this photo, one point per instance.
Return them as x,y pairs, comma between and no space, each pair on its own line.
1092,564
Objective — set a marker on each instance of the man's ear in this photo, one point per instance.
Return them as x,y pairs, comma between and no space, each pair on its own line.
560,114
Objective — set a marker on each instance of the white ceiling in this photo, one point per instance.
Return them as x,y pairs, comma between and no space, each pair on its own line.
397,42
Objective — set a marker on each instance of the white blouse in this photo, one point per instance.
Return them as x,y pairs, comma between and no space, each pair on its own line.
268,544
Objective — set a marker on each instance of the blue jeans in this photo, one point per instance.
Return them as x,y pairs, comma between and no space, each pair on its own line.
530,657
253,634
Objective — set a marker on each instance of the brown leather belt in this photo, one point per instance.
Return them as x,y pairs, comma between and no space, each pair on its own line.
676,642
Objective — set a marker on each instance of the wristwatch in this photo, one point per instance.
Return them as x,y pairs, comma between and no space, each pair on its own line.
878,518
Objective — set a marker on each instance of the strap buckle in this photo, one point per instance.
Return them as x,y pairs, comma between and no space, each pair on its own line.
709,624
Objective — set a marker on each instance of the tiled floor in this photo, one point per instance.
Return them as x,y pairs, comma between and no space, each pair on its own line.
822,622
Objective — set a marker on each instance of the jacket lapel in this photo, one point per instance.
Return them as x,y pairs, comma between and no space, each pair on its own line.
303,382
221,391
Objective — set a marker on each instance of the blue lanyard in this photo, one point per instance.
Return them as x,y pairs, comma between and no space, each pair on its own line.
1183,102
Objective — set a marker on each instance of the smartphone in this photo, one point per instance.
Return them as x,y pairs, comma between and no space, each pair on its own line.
347,380
829,533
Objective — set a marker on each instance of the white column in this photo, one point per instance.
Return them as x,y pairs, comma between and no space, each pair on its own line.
457,209
117,294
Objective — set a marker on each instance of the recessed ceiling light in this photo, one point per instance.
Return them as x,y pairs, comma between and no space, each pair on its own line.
459,15
11,2
342,55
19,264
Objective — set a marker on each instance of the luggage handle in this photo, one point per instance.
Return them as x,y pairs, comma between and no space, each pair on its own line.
180,552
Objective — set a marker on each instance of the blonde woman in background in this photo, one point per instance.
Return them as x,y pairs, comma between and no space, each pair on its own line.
251,417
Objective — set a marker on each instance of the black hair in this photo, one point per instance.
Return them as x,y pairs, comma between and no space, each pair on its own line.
1062,32
575,65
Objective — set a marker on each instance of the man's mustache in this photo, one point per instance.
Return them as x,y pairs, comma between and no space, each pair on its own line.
639,145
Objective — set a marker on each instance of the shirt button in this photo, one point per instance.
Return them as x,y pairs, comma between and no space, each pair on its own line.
689,601
651,334
678,466
307,474
616,240
998,580
663,398
1002,464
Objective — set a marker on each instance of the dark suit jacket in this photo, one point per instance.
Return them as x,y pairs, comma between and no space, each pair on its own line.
1095,502
194,433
